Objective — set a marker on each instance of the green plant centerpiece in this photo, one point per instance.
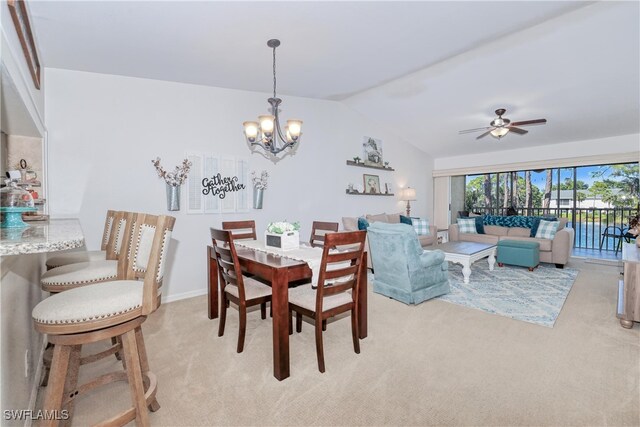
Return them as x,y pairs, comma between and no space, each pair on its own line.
283,227
283,235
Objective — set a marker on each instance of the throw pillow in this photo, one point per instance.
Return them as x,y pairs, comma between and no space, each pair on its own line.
405,220
376,218
349,223
547,229
363,224
479,222
467,225
535,223
421,226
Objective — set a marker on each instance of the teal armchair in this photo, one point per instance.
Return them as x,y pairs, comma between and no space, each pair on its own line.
403,270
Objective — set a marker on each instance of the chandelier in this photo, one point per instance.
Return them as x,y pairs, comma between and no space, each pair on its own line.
266,132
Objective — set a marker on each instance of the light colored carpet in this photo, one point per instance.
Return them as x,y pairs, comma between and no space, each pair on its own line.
531,296
432,364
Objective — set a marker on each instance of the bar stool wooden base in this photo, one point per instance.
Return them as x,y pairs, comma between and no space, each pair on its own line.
47,358
63,388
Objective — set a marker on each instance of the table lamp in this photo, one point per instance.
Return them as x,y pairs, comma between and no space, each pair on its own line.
408,194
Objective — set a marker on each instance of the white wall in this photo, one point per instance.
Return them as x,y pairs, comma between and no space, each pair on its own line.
104,130
595,147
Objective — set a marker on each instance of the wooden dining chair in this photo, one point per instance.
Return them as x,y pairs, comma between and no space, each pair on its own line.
337,288
242,290
105,251
241,229
102,311
319,229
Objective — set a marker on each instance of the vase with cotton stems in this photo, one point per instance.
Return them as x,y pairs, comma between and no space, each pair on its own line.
259,185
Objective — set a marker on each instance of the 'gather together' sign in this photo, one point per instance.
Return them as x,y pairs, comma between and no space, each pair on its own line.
219,185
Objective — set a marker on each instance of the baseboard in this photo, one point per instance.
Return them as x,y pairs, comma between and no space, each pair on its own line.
184,295
35,388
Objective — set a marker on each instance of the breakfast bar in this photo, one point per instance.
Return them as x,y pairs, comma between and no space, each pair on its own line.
23,252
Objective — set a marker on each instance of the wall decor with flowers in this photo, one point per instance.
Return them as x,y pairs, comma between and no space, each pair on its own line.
218,184
173,181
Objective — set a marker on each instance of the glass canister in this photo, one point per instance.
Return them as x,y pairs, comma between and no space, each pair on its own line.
13,202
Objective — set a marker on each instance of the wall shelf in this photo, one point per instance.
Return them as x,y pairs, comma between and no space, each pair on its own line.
362,165
355,193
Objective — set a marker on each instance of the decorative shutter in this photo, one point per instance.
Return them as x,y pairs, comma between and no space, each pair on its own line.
228,168
194,185
211,168
242,196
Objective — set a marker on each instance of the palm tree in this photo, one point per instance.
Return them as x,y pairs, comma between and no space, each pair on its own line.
487,191
547,192
528,200
514,180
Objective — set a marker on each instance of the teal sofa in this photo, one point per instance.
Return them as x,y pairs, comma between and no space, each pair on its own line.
404,271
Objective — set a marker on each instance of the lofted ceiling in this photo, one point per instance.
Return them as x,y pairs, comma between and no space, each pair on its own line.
423,69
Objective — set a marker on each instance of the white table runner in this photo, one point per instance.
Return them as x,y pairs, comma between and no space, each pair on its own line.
312,256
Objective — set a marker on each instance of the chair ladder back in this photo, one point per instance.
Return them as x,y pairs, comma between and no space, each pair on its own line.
107,233
125,237
116,235
317,239
246,229
153,240
343,266
229,271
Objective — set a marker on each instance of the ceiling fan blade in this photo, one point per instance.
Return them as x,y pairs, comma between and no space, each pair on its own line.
518,130
474,130
529,122
485,134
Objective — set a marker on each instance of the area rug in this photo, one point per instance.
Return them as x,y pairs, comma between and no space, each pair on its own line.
515,292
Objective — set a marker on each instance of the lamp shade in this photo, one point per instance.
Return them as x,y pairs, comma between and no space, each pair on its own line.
500,132
408,194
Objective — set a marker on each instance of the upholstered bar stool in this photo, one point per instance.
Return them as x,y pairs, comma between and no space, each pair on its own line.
112,309
105,252
72,276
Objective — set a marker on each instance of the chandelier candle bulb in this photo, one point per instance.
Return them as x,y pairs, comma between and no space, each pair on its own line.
266,123
294,127
251,130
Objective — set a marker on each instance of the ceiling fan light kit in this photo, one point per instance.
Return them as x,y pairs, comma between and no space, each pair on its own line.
267,132
500,126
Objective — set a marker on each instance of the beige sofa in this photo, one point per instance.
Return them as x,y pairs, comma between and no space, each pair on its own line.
556,251
351,224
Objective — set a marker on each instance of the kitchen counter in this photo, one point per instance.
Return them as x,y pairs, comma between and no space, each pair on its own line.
40,237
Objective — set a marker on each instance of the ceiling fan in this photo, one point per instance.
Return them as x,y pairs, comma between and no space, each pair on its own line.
499,127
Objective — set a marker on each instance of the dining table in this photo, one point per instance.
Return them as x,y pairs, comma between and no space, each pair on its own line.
280,272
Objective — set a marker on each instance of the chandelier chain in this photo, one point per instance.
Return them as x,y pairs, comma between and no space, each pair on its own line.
274,72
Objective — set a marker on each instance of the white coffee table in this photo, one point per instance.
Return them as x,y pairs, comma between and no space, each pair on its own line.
466,253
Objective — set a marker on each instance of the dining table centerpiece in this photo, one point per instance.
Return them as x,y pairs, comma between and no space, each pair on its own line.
283,235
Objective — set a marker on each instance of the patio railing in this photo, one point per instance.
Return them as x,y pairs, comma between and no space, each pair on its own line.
589,224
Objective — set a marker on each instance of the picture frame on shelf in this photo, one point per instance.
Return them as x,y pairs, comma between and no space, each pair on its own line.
371,183
372,151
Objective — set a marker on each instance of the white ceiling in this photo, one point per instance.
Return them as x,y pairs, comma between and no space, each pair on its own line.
424,69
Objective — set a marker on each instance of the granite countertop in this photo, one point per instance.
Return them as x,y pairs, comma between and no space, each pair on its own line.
50,236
